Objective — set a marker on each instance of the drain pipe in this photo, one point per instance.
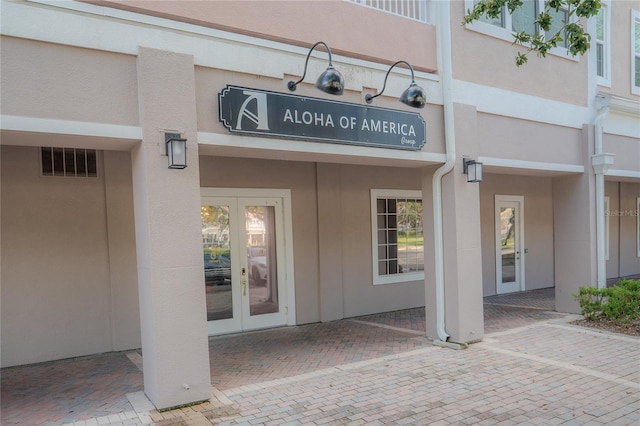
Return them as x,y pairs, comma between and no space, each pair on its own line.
446,81
601,163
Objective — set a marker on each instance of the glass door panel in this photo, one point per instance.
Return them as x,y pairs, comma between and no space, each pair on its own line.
216,247
509,243
263,247
261,259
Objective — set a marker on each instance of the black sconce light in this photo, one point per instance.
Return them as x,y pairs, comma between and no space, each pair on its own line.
414,95
176,150
472,169
330,81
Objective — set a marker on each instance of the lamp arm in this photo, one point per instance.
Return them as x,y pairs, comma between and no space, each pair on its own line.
369,97
306,62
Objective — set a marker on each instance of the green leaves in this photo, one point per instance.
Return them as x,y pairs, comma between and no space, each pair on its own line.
619,304
544,38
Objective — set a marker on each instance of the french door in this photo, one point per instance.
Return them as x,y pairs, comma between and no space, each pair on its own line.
244,248
509,243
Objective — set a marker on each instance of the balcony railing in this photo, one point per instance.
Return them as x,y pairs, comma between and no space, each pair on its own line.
412,9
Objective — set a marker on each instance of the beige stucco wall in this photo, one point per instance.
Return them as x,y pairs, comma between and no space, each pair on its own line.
517,139
46,80
68,274
538,228
347,28
626,150
623,229
495,66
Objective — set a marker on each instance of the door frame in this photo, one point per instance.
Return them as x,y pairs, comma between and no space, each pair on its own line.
288,300
501,200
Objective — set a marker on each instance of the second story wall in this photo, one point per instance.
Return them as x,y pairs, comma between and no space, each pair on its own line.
59,82
348,28
485,59
618,49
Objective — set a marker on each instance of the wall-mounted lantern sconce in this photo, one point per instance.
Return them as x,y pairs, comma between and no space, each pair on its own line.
414,96
472,169
330,81
176,150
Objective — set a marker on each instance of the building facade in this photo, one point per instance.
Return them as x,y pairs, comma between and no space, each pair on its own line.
336,209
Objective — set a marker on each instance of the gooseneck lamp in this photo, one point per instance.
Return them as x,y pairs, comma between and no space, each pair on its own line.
330,81
414,96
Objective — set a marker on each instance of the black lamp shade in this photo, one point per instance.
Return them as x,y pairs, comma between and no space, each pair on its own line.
331,81
414,96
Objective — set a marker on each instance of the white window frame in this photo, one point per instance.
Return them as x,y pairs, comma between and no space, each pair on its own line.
635,20
604,80
506,33
395,194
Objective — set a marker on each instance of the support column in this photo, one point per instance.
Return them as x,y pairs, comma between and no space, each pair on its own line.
464,316
574,231
168,236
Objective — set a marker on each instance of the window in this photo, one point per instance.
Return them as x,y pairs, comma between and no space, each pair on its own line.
68,162
635,52
398,239
522,19
603,48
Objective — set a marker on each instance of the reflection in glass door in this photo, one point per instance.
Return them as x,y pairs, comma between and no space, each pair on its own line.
509,244
243,266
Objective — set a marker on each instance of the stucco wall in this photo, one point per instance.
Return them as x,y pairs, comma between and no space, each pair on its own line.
346,27
538,228
496,67
516,139
68,83
360,296
626,149
58,297
623,229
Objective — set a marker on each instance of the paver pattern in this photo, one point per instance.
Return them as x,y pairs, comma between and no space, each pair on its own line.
532,367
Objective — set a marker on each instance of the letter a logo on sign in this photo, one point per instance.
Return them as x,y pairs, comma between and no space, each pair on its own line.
259,117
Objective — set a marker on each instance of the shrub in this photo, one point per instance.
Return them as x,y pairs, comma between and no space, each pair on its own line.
619,304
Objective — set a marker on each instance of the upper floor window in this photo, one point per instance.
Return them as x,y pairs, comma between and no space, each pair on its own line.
635,52
522,20
398,238
602,44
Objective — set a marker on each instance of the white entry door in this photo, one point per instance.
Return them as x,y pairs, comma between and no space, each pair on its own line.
245,247
509,240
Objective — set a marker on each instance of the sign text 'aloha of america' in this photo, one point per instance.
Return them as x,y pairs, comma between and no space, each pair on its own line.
263,113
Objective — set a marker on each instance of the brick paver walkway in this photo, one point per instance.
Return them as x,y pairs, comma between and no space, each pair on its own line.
531,368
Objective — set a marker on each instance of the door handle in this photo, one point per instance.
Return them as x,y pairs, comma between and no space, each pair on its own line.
243,281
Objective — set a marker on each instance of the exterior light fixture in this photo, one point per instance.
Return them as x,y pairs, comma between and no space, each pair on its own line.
330,81
176,150
414,95
472,169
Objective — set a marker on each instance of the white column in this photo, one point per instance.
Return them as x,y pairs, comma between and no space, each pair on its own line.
168,236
